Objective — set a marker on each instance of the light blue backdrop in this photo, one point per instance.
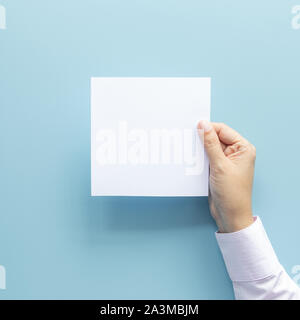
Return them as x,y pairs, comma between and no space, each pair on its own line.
58,242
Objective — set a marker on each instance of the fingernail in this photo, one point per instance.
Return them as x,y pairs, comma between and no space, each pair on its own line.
205,125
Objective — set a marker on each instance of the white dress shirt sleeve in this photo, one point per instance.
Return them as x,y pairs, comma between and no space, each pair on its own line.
253,265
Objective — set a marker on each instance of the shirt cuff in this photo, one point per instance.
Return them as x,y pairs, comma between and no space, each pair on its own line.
248,253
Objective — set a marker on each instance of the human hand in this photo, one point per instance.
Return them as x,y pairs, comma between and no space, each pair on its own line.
232,160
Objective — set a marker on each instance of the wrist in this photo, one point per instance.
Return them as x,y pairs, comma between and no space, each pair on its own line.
234,225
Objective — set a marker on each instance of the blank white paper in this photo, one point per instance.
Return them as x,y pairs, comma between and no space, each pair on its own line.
144,139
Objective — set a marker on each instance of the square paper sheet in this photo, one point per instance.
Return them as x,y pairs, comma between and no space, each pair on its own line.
144,140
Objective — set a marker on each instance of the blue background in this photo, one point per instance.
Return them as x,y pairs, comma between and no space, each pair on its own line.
56,241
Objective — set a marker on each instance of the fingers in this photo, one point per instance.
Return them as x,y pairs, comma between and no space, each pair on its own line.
227,135
212,143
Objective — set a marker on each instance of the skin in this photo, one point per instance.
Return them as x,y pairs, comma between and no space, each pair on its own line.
232,160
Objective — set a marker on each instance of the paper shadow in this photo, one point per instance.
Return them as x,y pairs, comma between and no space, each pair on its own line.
148,213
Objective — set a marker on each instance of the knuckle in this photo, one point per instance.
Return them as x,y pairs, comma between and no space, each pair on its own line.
209,143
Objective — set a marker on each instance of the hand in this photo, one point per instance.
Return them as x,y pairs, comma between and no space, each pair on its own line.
232,161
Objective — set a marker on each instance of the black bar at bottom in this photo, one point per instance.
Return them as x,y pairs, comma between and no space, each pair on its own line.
136,309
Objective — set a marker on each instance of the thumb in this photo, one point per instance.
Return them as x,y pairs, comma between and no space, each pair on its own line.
212,143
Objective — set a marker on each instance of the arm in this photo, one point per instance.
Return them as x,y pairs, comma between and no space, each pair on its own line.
248,254
253,265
